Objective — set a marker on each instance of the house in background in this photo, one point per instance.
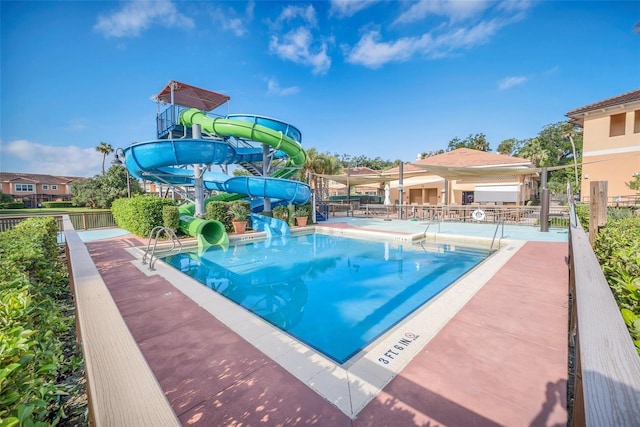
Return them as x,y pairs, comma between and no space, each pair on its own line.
33,189
611,143
465,176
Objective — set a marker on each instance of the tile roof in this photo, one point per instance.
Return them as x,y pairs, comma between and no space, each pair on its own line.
634,95
462,157
466,157
36,178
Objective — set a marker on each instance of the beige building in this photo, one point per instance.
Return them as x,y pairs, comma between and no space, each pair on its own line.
611,143
466,176
33,189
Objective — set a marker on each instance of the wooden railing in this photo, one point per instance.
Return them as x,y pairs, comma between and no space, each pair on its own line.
80,221
606,366
522,215
121,388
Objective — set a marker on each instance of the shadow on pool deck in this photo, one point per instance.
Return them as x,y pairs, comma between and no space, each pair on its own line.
501,361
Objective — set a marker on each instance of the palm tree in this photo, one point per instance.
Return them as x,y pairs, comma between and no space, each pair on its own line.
320,163
105,149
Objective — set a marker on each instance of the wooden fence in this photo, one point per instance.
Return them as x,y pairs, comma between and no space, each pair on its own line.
122,390
521,215
606,366
80,221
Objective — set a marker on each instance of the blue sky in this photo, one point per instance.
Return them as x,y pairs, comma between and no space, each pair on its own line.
383,79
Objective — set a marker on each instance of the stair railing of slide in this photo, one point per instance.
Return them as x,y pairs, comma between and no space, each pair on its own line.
154,236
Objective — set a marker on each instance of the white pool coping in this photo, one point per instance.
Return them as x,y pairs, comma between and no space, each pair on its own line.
352,385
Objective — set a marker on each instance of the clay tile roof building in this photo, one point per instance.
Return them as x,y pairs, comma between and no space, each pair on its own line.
33,189
466,157
611,144
578,115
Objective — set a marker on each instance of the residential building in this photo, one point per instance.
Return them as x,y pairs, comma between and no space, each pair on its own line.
611,143
33,189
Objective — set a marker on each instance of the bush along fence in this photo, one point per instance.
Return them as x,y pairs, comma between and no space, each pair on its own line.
40,361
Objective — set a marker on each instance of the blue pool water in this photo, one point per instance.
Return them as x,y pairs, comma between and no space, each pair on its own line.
334,293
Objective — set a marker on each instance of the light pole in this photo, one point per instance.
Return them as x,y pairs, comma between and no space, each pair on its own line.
116,161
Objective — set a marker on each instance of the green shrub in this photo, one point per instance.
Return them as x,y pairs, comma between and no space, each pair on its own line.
60,204
617,247
12,205
303,210
281,212
139,215
220,212
240,210
170,217
39,354
582,212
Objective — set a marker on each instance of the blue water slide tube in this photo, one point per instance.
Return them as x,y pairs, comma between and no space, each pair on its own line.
164,161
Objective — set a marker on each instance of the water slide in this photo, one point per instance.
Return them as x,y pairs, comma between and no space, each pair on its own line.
164,161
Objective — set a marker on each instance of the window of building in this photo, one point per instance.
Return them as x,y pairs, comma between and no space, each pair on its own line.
636,121
45,186
617,124
24,187
54,187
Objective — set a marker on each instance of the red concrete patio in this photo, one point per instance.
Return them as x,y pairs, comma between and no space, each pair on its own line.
501,361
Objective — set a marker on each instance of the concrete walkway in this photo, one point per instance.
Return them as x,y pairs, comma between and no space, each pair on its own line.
501,361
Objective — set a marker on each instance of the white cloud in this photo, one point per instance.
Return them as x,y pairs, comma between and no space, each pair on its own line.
373,54
228,19
454,10
511,81
443,40
291,13
139,15
273,88
347,8
296,46
76,125
30,157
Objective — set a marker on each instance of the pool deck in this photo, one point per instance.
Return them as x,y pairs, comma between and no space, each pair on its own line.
500,361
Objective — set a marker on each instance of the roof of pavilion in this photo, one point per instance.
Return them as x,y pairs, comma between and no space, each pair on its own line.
456,164
190,96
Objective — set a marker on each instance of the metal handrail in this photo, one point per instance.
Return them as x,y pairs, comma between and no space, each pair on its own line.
495,233
155,237
429,225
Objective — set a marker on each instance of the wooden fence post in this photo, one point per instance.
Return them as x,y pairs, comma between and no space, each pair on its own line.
597,208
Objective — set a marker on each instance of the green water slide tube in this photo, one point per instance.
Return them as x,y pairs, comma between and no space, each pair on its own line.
254,132
207,232
247,130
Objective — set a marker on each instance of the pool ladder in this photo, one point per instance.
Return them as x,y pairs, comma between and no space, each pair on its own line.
154,236
495,233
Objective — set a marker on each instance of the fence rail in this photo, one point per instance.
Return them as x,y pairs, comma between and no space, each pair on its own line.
80,221
606,366
492,214
122,389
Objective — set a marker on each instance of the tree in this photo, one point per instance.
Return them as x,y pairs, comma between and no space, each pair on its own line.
105,149
102,190
510,147
555,145
635,183
319,164
431,153
474,142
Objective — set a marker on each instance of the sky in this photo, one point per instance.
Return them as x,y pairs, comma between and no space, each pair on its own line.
386,79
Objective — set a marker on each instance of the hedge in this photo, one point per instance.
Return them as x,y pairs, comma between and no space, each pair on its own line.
12,205
139,215
59,204
40,361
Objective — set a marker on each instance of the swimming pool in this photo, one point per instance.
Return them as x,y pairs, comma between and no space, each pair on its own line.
336,294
